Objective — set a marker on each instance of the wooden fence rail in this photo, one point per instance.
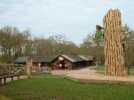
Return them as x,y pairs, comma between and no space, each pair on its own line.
10,71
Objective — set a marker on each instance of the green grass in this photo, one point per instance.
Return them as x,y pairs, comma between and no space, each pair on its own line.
101,70
131,71
48,87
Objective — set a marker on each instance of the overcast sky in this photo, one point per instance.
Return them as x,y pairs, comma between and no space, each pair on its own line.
73,18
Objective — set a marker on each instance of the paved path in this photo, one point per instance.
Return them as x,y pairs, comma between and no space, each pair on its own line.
90,74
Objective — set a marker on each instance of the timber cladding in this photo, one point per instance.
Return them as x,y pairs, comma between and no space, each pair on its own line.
70,62
113,44
62,61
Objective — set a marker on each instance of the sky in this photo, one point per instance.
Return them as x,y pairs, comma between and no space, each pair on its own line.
72,18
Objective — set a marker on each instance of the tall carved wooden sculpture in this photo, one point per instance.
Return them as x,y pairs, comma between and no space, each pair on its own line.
113,44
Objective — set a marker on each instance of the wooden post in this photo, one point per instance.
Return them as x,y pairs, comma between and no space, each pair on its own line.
4,82
18,77
113,44
29,67
11,78
0,81
39,67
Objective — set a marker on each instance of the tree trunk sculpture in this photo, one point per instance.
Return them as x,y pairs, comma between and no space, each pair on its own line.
113,44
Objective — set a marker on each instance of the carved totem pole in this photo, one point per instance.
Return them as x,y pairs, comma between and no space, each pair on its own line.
113,44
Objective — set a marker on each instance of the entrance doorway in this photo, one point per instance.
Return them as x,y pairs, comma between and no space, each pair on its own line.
61,63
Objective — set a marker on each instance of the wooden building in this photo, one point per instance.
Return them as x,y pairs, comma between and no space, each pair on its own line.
21,60
70,62
57,62
39,64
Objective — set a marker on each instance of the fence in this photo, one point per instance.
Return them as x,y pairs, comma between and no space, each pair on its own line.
10,71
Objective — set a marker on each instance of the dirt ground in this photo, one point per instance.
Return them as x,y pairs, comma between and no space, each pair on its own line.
89,73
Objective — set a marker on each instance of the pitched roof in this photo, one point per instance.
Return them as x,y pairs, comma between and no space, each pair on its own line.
48,59
42,59
36,59
21,60
87,58
75,58
72,58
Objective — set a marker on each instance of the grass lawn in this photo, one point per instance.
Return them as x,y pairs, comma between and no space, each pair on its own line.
101,70
48,87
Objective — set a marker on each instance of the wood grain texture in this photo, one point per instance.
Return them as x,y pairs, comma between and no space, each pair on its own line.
113,44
